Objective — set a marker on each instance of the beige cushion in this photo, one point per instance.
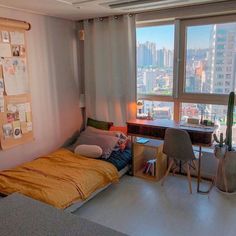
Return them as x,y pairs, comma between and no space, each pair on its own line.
92,151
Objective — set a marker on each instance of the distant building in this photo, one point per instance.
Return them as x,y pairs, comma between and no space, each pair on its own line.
146,54
150,80
222,62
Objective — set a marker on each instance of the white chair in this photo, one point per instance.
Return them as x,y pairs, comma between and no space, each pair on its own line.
178,147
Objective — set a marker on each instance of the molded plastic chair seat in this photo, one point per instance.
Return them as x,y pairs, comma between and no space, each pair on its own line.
178,147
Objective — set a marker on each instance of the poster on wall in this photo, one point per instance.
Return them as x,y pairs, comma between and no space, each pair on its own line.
15,76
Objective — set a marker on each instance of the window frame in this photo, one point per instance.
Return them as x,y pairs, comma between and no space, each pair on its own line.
179,95
158,97
207,98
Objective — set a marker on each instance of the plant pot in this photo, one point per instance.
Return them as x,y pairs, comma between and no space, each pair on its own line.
226,173
220,151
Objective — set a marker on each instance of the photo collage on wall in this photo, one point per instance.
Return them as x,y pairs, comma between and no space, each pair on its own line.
14,82
18,120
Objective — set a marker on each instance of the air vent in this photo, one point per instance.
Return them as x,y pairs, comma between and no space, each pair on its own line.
128,4
151,4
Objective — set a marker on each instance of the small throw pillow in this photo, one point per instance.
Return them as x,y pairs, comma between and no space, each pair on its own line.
122,129
92,151
123,139
99,124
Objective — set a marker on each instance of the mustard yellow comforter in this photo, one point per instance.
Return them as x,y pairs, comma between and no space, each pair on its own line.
58,179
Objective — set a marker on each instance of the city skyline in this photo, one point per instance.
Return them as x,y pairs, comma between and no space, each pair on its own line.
209,69
163,36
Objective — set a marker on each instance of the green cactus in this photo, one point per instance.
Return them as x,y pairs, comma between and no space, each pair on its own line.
221,141
230,112
228,139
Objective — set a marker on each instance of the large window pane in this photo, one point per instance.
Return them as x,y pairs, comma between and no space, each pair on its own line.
215,113
210,58
157,110
155,54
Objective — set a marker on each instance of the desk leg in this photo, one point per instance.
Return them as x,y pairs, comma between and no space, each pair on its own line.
199,175
199,169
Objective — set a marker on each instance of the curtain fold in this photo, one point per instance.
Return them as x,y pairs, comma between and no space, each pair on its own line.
110,69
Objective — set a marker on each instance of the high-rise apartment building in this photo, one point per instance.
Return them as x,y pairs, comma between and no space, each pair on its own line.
222,62
146,54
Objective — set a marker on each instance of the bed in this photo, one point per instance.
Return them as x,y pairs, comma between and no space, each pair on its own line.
49,177
67,180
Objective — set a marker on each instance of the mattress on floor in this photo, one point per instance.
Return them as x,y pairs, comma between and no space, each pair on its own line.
59,178
80,203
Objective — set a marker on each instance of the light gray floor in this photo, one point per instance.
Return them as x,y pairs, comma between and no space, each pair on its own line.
138,207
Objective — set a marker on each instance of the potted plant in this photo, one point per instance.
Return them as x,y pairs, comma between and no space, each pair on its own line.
226,173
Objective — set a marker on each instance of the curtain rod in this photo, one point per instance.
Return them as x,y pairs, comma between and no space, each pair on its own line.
6,22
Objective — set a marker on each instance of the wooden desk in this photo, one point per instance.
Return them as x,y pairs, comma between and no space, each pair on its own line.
200,136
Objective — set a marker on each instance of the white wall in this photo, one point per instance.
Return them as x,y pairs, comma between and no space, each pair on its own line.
52,66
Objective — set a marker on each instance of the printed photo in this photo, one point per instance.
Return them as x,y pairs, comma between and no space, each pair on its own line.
7,130
1,72
17,132
2,108
22,51
16,129
1,86
13,116
5,37
15,51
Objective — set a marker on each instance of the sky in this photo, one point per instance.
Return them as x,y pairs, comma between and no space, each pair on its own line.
163,36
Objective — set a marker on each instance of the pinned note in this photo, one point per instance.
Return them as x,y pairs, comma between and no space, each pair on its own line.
5,50
17,38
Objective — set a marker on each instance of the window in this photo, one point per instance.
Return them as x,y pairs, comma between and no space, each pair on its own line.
201,68
215,113
155,55
219,76
159,110
198,74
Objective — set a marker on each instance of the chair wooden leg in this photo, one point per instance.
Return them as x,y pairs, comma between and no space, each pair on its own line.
167,172
189,179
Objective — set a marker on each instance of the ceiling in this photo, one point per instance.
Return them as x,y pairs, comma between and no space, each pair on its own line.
84,9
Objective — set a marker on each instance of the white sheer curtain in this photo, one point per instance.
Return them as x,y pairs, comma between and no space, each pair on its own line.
110,83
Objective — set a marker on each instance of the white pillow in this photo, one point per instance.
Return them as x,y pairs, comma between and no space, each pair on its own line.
92,151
